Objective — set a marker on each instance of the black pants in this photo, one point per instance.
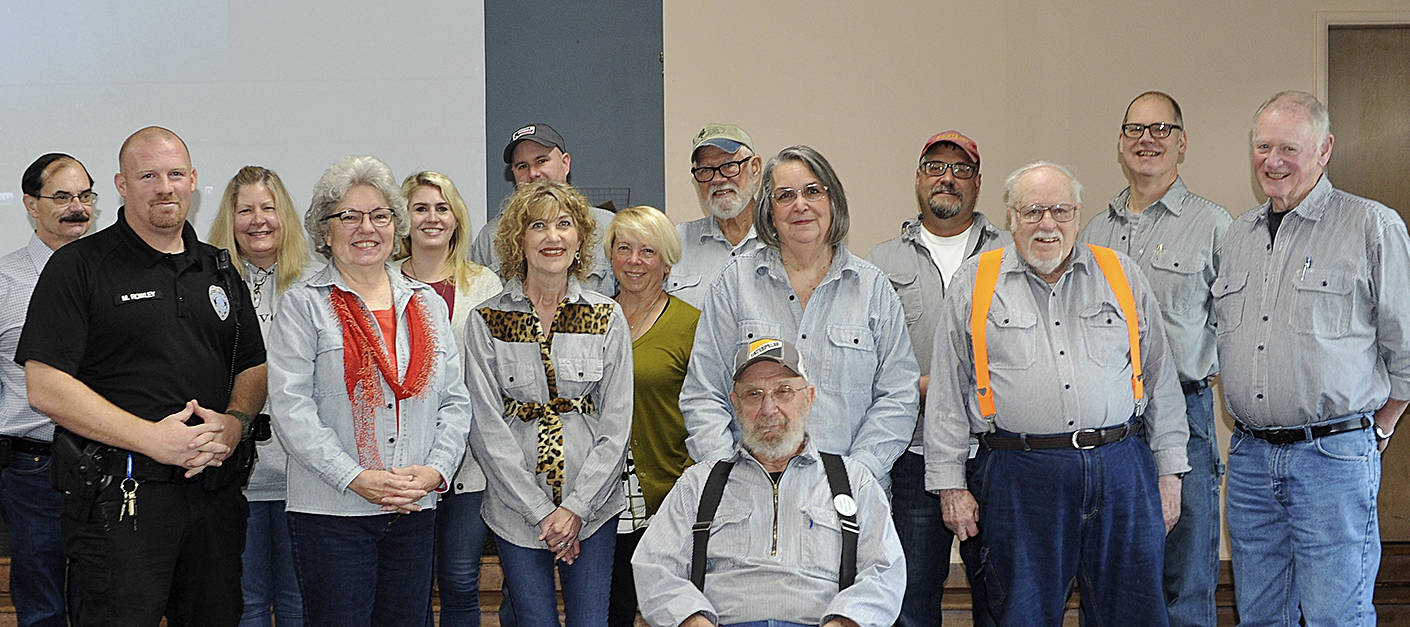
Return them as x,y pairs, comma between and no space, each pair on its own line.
621,610
180,560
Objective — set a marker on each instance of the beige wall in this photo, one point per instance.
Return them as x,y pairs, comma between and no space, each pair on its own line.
866,82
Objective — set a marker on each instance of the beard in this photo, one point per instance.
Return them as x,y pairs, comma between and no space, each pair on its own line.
773,445
1047,265
943,207
726,207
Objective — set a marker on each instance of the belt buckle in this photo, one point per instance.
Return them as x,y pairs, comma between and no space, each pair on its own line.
1079,432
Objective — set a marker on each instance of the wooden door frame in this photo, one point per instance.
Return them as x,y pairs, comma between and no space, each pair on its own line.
1328,19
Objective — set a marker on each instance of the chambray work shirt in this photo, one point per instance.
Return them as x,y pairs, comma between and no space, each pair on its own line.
774,549
704,253
600,278
598,365
1059,361
917,281
855,347
1176,243
19,271
308,398
1315,324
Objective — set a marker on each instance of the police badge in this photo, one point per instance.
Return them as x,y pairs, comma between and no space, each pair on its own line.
220,302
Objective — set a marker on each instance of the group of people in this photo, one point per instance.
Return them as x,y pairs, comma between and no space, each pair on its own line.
235,430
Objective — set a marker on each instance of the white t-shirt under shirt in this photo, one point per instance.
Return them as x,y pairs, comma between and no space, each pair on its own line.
948,252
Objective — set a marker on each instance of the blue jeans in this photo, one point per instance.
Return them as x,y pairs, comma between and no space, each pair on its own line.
926,541
31,508
587,582
1303,529
364,570
269,578
460,541
1052,516
1192,546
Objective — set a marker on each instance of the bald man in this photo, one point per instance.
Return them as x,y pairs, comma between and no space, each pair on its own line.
150,361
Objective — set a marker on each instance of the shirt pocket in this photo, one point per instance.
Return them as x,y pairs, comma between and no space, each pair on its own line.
1322,302
680,281
329,377
822,542
583,370
907,286
1230,292
750,330
730,539
1011,338
518,378
852,360
1106,336
1176,282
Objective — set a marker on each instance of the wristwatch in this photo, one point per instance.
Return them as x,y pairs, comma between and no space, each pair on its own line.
247,422
1382,435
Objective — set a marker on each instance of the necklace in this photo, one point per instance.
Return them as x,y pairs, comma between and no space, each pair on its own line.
259,276
641,316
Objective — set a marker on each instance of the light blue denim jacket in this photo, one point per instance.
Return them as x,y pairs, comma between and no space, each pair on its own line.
313,416
855,347
594,446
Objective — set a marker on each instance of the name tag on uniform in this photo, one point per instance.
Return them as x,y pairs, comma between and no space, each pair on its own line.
133,297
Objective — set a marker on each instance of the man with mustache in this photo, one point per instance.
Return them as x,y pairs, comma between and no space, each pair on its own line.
726,174
775,545
920,263
1174,235
59,196
1055,355
536,151
150,361
1313,306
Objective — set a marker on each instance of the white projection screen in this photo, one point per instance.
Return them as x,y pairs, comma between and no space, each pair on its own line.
292,86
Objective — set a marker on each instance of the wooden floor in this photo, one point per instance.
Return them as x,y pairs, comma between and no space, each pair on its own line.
1392,592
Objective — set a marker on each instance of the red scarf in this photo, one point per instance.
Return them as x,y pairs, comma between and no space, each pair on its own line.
364,359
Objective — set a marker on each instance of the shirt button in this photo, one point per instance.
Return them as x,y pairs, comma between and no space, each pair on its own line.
391,440
790,297
1265,318
460,486
1260,397
511,379
389,405
1067,386
1070,423
805,336
1057,323
1062,352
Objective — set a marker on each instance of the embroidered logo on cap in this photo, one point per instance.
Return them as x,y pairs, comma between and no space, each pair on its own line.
759,347
527,130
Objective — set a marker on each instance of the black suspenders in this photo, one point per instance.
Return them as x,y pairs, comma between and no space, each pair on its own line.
842,500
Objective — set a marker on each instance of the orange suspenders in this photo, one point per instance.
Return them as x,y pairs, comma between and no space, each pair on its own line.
984,284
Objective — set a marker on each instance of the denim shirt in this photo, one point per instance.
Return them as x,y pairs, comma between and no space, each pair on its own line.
916,279
1176,242
596,365
855,347
313,416
774,551
1314,325
704,253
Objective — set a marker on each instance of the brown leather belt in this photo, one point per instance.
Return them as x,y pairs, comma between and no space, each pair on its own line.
1083,439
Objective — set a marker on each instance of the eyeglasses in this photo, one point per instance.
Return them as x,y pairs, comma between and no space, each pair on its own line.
352,218
960,170
728,169
64,198
754,398
1159,130
785,196
1033,214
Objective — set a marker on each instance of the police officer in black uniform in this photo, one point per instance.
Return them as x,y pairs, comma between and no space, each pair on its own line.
145,350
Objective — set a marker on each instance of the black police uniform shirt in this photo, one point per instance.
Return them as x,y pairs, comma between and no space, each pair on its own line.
144,329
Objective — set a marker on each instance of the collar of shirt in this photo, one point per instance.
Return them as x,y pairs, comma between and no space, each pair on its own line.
769,261
808,455
1312,207
1120,207
512,298
712,231
980,231
402,289
39,252
1013,262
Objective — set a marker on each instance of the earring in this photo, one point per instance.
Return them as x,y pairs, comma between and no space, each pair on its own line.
577,255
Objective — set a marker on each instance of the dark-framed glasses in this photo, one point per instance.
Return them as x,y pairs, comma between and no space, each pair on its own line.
1033,213
785,196
1159,130
86,197
752,399
960,170
351,218
728,169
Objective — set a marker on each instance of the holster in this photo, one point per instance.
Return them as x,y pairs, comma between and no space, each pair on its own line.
76,470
